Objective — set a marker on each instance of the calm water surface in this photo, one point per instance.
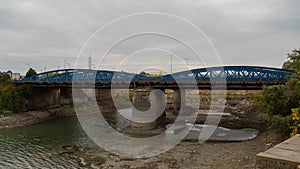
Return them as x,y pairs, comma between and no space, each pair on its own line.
41,145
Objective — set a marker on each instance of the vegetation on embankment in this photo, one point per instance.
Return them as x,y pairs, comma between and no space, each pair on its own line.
281,102
11,97
13,100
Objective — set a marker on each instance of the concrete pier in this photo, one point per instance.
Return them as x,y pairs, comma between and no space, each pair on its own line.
178,100
149,110
43,98
104,97
103,94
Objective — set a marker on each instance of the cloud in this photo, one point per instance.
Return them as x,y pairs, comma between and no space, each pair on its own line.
45,33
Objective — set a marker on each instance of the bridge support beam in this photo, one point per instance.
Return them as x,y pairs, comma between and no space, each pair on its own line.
103,94
66,96
178,100
150,109
43,98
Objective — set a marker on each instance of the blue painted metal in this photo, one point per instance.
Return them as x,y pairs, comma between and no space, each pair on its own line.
231,74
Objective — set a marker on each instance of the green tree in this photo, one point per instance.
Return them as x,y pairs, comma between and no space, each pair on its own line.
30,72
293,61
144,73
280,99
5,78
11,97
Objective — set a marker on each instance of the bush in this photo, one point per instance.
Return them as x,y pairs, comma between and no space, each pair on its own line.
280,99
259,102
276,100
280,123
25,91
11,99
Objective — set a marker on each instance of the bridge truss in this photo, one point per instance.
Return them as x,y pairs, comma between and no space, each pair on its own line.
239,76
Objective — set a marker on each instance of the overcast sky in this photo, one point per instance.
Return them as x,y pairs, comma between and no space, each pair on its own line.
44,33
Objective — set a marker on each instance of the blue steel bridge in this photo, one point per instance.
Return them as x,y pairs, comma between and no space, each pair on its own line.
237,77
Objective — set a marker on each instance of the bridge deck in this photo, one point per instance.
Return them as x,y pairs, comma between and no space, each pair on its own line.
157,85
285,155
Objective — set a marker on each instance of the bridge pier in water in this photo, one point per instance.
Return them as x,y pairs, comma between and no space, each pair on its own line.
149,110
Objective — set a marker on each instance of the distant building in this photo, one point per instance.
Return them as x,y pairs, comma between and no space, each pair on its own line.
14,76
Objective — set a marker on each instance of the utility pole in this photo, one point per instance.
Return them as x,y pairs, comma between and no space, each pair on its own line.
187,63
66,63
90,62
171,65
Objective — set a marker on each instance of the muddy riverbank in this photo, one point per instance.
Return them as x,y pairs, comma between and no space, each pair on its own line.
243,114
62,143
192,155
184,155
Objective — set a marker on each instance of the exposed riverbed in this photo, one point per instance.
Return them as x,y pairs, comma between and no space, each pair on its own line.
61,143
51,144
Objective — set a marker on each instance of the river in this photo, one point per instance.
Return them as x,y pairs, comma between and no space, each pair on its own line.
39,146
42,145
